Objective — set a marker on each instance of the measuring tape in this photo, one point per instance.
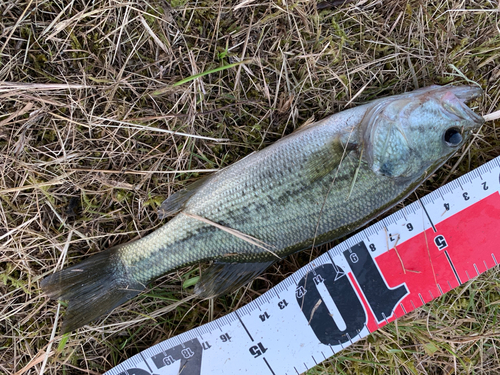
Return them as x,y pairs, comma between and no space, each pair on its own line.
380,274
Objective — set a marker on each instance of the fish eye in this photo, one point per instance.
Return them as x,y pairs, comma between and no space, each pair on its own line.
452,137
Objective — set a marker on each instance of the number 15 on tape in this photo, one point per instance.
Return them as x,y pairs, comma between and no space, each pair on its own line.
380,274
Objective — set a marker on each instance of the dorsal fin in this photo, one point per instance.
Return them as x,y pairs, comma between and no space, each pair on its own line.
178,200
310,121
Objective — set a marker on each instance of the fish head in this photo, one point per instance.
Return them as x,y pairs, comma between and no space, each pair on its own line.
403,136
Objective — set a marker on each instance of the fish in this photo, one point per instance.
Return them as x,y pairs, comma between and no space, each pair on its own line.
314,185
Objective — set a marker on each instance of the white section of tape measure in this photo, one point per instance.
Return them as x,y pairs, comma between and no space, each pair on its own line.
271,335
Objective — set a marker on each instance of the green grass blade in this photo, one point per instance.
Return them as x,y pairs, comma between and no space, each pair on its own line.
202,74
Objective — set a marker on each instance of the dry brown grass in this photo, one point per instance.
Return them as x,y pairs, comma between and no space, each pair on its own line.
90,119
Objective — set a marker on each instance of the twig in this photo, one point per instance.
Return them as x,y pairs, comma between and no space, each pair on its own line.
10,86
492,116
135,127
55,181
245,237
127,171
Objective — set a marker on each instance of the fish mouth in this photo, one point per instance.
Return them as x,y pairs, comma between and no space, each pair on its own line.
454,100
465,93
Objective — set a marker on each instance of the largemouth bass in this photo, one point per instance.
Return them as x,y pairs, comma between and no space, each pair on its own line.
315,185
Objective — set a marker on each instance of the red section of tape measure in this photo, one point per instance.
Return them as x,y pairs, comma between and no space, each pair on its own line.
432,263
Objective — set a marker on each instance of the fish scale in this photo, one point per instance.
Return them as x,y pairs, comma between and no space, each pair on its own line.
313,186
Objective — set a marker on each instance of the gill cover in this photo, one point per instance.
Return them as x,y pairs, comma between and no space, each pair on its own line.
402,135
388,151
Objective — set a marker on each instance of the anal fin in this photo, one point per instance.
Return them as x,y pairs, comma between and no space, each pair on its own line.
226,277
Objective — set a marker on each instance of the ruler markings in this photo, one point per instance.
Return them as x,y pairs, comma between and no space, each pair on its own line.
349,242
413,305
206,328
266,297
410,209
478,185
369,232
329,256
452,267
254,306
248,310
403,214
180,341
199,333
477,270
380,226
465,181
434,195
428,217
244,309
243,325
421,298
216,321
286,285
403,308
427,200
440,290
230,319
146,362
193,334
281,289
440,193
385,225
468,177
276,290
164,345
267,363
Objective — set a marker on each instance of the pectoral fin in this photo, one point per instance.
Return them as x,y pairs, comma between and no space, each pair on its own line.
326,160
225,277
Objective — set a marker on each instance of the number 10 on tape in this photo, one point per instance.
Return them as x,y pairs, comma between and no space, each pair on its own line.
387,270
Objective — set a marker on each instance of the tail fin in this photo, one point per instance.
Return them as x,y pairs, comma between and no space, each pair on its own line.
91,288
